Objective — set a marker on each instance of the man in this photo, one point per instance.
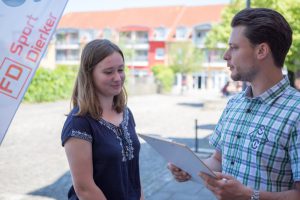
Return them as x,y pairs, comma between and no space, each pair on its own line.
257,139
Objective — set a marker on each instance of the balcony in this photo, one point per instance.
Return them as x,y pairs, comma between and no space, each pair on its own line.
142,63
67,46
137,46
68,62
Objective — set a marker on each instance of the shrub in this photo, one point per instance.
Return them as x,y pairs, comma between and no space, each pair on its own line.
51,85
164,76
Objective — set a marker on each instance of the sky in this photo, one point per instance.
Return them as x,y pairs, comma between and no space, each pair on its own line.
92,5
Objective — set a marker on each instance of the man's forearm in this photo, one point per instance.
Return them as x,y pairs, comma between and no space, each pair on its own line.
293,194
286,195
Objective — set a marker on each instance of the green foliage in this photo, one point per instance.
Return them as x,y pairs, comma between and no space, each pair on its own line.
127,49
290,9
184,57
51,85
164,76
219,34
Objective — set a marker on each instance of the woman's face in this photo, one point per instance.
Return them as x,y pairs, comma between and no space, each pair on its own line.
109,75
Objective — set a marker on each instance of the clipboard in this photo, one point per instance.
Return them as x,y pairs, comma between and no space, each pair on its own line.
180,155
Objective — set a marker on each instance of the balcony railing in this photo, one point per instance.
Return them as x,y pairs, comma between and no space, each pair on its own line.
67,46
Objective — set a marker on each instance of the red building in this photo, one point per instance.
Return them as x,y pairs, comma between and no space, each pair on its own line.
145,31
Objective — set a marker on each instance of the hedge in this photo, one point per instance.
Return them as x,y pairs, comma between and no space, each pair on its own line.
51,85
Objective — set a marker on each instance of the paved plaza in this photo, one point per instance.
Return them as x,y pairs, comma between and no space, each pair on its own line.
33,165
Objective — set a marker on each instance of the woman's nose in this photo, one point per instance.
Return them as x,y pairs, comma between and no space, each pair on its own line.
117,76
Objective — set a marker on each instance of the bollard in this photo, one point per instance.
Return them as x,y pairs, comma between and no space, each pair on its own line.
196,135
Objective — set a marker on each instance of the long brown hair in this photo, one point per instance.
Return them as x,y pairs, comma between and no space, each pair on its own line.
84,94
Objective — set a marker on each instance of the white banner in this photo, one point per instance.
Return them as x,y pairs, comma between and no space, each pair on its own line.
26,29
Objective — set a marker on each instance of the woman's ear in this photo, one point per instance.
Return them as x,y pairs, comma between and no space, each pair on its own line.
262,51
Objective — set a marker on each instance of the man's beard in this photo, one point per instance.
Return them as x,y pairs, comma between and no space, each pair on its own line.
245,76
236,77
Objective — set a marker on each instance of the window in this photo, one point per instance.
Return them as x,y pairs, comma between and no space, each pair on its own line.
67,55
160,33
181,32
86,36
141,55
213,55
72,38
142,37
200,33
60,38
67,36
159,53
107,33
200,38
125,37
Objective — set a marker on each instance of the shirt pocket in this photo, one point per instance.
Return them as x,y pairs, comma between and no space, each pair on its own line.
266,146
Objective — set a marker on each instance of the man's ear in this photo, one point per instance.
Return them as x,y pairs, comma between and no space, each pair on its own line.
262,50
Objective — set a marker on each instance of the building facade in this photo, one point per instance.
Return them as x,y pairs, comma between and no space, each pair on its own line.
145,35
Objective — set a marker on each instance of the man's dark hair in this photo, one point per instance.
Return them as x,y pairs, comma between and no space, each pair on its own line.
266,25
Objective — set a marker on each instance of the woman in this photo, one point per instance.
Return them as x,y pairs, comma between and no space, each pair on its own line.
99,134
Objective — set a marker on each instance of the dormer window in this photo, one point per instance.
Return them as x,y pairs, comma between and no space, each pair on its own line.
160,33
200,33
181,32
107,33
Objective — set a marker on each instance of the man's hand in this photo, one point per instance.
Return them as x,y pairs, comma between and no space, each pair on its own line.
178,174
226,187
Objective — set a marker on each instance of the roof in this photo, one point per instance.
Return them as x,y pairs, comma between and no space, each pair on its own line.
201,14
151,17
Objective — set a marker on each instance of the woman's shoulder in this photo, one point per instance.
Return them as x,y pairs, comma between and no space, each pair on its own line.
73,119
73,115
128,110
76,126
128,115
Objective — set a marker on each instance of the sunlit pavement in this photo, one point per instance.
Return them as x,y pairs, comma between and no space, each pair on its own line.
33,165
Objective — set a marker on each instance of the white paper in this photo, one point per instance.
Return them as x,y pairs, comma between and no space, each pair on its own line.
180,155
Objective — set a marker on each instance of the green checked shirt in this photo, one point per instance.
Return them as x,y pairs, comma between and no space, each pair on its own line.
259,138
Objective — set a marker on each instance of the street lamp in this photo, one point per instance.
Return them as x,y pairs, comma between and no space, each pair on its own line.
248,5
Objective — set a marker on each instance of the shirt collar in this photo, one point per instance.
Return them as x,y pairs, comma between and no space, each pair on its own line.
271,94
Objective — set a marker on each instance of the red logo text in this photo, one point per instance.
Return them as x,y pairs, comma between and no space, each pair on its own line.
13,77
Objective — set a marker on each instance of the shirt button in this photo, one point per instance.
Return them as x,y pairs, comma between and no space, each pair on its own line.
232,162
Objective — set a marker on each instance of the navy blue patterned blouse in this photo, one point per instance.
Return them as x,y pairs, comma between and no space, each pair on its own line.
115,154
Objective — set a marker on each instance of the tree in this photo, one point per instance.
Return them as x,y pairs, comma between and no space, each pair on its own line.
219,34
184,57
290,9
164,78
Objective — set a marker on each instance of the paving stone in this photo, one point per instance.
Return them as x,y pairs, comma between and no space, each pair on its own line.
33,165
